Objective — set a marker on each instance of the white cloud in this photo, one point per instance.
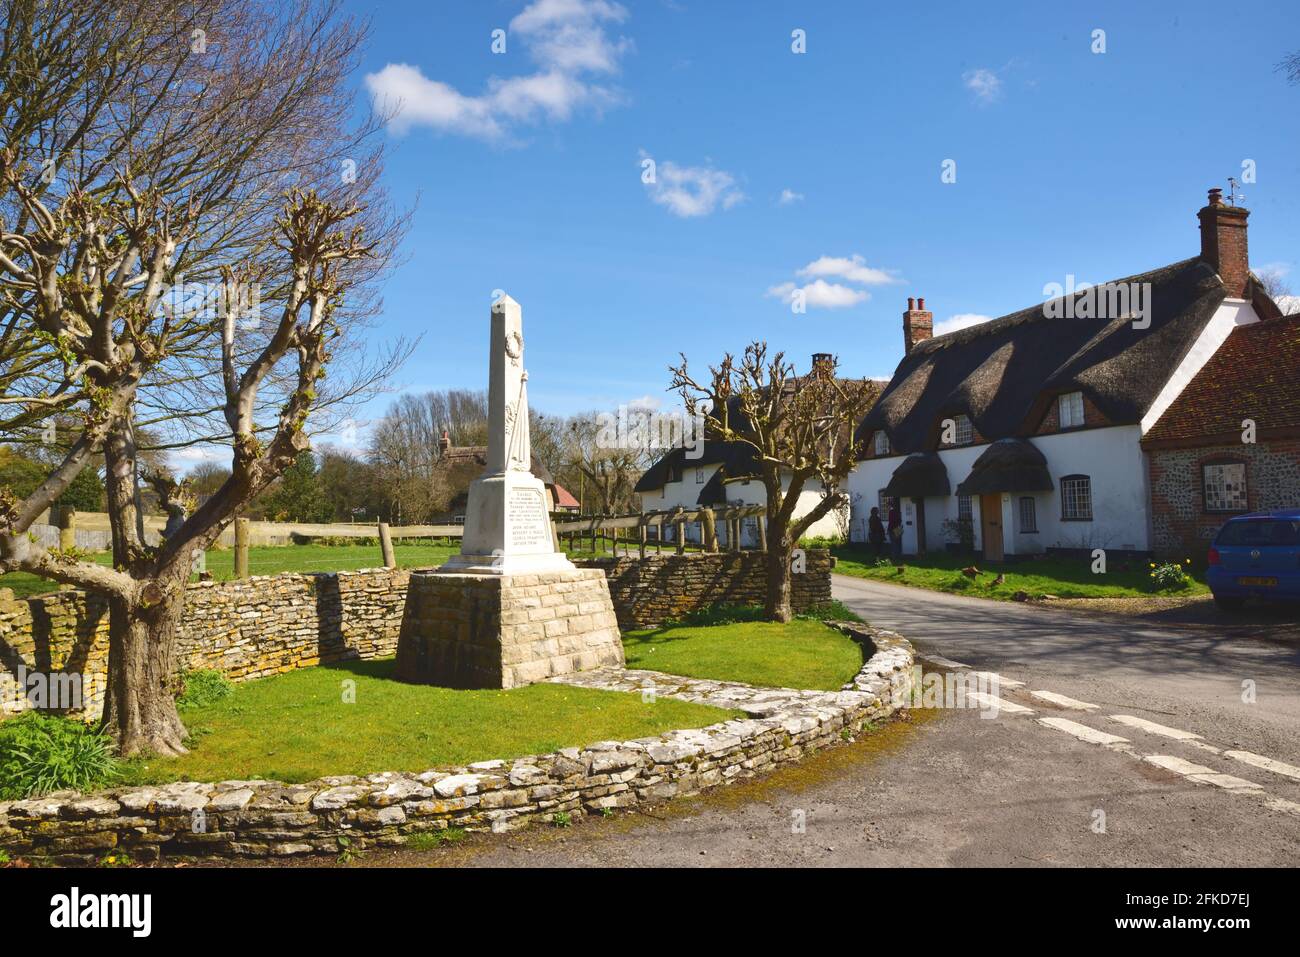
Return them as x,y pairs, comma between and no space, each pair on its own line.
567,39
789,196
820,294
851,268
960,321
690,191
985,84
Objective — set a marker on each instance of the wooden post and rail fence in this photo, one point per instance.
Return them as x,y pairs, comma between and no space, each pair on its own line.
632,531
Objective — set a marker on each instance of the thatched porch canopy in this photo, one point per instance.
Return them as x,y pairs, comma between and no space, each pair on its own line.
1008,465
921,475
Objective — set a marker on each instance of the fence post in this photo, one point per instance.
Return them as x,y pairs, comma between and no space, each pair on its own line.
67,528
710,530
679,528
644,530
241,548
386,546
733,533
762,533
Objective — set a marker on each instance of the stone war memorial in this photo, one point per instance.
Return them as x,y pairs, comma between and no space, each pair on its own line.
510,609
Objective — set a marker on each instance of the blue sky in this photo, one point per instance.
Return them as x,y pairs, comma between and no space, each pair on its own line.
528,169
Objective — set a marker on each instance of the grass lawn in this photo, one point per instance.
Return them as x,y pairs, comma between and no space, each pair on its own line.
295,727
1062,577
802,654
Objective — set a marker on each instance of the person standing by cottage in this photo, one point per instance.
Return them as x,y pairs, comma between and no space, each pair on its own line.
895,532
876,533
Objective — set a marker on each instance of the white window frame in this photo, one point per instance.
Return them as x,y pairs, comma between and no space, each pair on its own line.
1028,515
965,508
882,442
1069,410
699,476
1076,498
1225,495
963,431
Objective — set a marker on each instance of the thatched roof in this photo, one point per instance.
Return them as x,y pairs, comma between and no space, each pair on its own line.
922,475
1002,373
1008,465
736,460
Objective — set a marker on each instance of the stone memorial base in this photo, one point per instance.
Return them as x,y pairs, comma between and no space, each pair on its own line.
505,631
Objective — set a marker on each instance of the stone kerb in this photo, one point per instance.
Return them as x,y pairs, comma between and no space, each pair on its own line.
271,819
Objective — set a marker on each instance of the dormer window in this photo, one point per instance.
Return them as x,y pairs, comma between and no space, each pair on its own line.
882,443
699,476
959,432
1069,410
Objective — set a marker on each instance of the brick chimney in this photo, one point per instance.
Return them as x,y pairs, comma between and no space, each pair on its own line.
823,363
1223,243
918,324
444,443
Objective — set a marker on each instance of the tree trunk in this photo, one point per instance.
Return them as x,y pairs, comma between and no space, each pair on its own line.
777,607
140,709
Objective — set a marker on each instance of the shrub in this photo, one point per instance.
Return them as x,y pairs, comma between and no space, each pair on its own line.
823,541
720,615
1170,576
202,688
832,610
40,753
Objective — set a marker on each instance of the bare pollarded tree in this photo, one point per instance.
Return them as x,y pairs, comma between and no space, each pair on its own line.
190,222
800,430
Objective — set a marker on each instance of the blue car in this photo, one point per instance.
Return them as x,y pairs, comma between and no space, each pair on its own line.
1256,556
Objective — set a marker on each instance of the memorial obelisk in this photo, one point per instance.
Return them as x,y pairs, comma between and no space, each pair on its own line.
509,609
507,520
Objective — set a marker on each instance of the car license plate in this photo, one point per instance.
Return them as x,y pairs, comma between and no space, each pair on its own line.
1258,582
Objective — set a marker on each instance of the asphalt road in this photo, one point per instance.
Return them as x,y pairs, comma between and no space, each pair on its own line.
953,787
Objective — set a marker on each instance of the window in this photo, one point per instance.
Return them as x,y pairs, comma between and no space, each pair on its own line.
1028,515
963,433
699,476
1225,486
886,503
1254,533
1070,410
1076,498
964,512
882,443
674,473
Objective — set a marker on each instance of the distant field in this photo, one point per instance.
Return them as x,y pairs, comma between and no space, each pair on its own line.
271,560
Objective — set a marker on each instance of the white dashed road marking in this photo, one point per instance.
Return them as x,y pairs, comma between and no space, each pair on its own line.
1062,701
943,662
995,679
1199,773
1150,727
1085,733
996,703
1268,764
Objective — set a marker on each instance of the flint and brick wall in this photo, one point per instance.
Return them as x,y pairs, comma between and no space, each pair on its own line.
1180,526
647,592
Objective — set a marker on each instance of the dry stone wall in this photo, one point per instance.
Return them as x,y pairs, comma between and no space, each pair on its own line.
247,629
647,592
271,624
270,819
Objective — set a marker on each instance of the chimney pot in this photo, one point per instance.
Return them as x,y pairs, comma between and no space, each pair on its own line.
1223,243
911,303
918,324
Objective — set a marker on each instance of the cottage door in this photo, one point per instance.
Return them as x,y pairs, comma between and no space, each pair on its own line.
991,526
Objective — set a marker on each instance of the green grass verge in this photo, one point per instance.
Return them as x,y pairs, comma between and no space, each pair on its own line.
296,727
802,654
1062,577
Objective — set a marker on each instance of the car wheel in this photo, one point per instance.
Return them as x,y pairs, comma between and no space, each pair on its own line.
1229,604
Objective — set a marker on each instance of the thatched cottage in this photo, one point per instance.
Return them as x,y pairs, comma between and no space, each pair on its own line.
1035,432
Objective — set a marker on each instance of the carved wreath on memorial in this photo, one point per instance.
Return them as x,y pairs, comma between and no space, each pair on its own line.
514,347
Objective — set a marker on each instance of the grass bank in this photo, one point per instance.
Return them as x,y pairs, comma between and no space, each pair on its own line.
1062,577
